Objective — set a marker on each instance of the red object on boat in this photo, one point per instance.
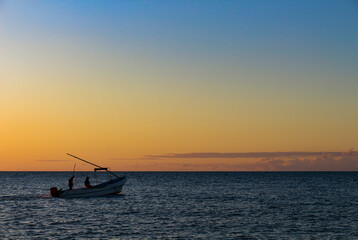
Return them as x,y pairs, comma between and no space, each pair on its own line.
54,191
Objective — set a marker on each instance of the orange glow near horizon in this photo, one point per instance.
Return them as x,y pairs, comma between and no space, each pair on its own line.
36,126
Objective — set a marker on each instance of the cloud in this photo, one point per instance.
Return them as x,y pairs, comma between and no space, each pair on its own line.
138,158
321,163
347,163
270,161
246,155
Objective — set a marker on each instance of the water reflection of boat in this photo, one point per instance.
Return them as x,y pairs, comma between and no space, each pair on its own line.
110,187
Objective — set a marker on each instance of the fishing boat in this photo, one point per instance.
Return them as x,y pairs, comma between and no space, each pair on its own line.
111,187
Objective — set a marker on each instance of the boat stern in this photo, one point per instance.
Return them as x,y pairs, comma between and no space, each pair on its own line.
54,192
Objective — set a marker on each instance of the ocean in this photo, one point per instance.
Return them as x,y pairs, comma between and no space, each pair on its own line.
184,205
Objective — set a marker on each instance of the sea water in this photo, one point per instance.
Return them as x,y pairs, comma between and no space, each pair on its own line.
184,205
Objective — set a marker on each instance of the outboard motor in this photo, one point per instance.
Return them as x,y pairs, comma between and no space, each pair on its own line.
54,192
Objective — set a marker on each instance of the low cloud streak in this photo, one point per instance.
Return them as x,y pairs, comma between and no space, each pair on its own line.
247,154
271,161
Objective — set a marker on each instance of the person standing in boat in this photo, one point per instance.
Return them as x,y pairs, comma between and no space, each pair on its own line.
87,183
70,182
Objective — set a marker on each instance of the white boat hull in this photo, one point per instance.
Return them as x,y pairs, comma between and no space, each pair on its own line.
108,188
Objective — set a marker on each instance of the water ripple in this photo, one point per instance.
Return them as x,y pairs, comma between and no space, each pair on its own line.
185,206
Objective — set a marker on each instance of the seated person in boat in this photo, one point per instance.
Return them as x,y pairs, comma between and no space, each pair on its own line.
87,183
70,182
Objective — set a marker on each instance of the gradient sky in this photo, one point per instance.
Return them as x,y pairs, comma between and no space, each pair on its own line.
118,82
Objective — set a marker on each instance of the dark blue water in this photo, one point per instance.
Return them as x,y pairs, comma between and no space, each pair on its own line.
184,205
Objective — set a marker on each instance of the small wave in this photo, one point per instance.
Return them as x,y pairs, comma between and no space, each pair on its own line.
21,197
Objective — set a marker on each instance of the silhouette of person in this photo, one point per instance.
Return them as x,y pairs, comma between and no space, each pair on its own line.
87,183
70,182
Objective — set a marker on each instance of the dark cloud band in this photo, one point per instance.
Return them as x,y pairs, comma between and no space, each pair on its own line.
249,154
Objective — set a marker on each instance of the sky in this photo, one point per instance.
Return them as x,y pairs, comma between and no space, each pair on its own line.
179,85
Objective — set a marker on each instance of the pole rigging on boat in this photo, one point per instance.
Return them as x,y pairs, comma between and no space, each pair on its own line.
74,168
93,164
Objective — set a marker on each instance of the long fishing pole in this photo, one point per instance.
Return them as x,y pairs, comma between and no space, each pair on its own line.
74,167
73,173
92,164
